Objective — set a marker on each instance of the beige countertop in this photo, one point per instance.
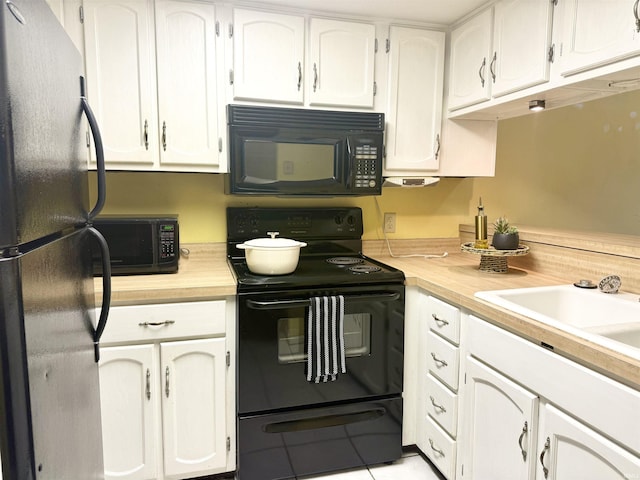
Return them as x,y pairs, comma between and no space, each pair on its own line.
455,278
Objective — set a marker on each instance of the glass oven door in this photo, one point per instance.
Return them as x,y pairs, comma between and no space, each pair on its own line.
272,348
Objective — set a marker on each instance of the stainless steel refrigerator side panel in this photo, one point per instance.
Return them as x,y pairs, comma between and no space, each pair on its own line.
55,284
43,167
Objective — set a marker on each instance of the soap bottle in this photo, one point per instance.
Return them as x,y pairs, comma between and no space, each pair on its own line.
481,228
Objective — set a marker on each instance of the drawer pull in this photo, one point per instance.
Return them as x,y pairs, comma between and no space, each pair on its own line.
157,324
525,429
547,446
437,450
435,405
440,321
442,363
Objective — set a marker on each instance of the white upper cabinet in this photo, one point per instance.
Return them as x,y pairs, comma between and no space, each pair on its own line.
121,84
502,50
269,51
598,32
268,56
155,112
468,61
414,110
342,59
187,83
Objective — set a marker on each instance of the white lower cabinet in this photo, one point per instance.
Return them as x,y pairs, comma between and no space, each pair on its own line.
568,423
165,403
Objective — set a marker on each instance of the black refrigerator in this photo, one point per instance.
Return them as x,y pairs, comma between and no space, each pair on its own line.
50,426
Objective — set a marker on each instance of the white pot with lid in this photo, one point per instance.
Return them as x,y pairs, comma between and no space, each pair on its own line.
272,256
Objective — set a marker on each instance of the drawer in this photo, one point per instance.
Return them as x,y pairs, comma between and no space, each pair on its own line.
442,405
148,323
443,360
444,319
440,448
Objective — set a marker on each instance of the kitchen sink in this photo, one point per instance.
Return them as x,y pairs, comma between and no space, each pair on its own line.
610,319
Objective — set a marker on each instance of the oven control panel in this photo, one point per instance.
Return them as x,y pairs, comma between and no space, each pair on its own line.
298,223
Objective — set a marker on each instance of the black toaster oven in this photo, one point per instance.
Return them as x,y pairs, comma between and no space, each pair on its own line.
139,244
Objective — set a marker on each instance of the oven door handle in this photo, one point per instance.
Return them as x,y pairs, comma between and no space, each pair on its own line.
305,302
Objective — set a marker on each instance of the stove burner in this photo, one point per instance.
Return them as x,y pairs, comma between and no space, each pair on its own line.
364,269
345,260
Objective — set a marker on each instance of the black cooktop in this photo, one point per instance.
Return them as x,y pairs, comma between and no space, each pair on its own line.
331,259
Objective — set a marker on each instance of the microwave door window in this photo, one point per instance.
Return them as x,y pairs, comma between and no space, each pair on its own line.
268,162
127,245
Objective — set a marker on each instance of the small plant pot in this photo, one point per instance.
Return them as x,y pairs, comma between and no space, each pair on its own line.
505,241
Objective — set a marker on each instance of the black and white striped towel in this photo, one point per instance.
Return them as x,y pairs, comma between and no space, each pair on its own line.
325,339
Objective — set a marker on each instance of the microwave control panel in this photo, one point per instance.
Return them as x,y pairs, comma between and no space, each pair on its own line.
367,166
167,241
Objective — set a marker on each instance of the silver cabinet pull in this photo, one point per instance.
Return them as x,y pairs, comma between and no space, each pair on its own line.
437,145
525,429
166,382
635,14
164,136
439,321
157,324
481,70
148,387
315,76
299,75
492,66
435,405
437,450
442,363
547,446
146,135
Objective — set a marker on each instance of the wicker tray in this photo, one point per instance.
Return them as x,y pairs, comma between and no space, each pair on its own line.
492,260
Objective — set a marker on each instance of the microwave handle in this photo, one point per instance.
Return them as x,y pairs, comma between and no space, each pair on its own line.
305,302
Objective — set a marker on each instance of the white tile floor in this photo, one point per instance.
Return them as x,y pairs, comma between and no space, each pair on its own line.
412,466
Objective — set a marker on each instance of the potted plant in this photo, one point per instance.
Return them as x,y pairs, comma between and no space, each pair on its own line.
505,236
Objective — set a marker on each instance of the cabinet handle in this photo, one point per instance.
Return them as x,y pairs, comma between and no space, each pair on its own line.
315,77
157,324
525,429
166,382
437,145
299,75
148,388
481,70
164,136
635,14
492,66
437,450
435,405
146,135
547,446
440,321
438,361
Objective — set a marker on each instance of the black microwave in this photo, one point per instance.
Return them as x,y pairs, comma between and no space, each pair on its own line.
289,151
139,244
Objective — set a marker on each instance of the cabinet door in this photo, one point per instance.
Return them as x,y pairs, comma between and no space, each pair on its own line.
471,54
499,428
187,90
521,39
120,63
597,32
341,70
128,404
570,450
193,406
268,56
414,112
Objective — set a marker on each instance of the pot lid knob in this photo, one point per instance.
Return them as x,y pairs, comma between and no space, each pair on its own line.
273,234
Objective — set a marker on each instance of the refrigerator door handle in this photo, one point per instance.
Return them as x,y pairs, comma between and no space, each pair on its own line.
106,291
97,140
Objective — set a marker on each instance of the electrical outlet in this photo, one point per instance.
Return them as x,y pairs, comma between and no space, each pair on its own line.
389,222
